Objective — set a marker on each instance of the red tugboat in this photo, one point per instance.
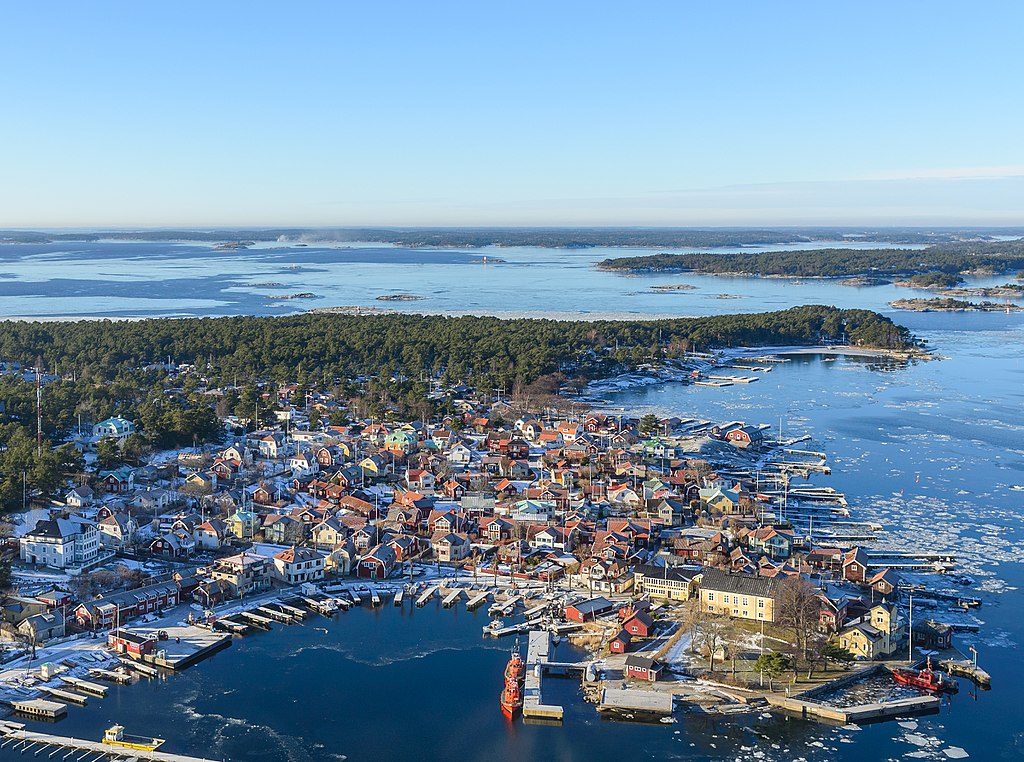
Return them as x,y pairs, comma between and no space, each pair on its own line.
924,679
515,677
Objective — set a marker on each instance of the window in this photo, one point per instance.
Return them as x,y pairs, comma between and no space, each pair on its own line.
760,603
711,596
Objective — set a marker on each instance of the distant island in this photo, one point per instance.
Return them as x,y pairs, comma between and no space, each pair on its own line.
567,238
400,298
937,265
300,295
669,287
945,304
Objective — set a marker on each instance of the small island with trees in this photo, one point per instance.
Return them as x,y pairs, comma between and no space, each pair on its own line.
941,265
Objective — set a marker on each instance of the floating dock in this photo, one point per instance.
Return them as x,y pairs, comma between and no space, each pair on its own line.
399,596
40,708
85,686
69,696
17,739
452,597
475,601
295,611
255,619
275,613
635,700
813,710
506,608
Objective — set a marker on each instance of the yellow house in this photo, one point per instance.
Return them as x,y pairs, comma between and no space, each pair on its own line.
741,596
664,583
877,635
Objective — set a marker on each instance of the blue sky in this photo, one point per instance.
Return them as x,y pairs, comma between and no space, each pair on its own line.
436,113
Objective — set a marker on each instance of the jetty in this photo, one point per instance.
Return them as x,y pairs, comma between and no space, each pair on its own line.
374,597
63,695
295,611
477,600
966,668
228,624
255,619
275,614
540,608
505,608
399,596
538,652
452,597
85,686
142,669
114,676
426,596
15,738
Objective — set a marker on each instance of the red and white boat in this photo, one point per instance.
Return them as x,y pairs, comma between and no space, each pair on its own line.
515,678
925,679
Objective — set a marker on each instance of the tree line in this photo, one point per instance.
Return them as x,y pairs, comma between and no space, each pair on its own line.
949,258
481,350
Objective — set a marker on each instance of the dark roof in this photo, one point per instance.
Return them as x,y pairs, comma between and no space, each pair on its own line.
643,662
742,584
593,606
674,573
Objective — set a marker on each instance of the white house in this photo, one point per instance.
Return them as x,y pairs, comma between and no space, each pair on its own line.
61,543
303,464
114,428
298,564
79,497
116,530
459,455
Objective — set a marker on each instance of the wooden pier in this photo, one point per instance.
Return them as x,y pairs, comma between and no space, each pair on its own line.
113,676
255,619
142,669
374,597
226,623
295,611
475,601
507,607
85,686
399,596
426,596
452,597
276,614
58,693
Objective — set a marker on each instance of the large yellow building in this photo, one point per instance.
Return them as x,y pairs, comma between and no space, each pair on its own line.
742,596
671,584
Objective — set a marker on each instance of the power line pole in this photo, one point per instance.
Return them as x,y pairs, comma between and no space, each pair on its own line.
39,413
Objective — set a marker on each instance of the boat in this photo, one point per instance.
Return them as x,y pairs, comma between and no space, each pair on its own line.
925,679
515,677
115,736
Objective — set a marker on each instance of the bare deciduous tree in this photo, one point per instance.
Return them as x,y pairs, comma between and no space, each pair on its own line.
798,607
